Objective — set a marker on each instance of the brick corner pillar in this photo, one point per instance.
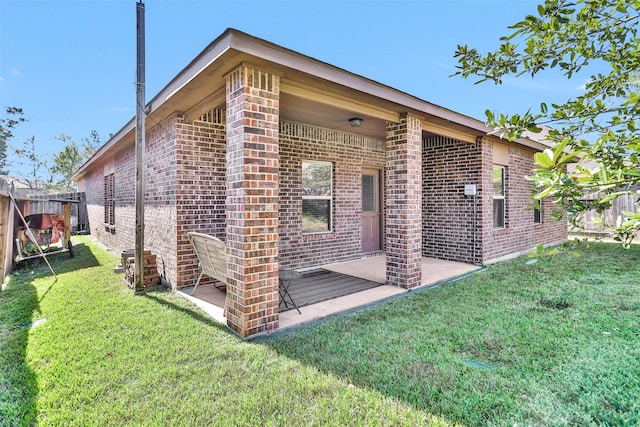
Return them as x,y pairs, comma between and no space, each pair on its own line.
403,202
252,99
485,200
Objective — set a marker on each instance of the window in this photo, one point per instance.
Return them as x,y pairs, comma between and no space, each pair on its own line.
109,200
537,211
369,196
498,197
317,196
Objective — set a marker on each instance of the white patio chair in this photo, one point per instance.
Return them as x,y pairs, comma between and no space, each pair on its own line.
212,256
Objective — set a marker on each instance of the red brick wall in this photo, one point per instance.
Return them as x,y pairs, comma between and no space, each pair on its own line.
448,220
188,159
200,183
348,153
252,200
403,194
200,178
122,237
159,198
448,215
520,233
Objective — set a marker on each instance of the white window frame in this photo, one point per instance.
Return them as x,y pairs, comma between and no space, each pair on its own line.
328,197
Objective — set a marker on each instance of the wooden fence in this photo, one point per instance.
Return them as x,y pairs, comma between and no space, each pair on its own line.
6,230
51,204
627,202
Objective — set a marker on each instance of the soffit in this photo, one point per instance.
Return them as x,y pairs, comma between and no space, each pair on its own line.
304,98
312,92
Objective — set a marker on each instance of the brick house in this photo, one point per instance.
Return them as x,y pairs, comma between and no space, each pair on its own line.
253,143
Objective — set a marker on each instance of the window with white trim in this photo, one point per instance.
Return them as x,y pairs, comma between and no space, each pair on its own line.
317,196
499,201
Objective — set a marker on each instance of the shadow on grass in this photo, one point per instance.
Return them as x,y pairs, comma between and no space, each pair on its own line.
155,296
466,351
61,263
18,383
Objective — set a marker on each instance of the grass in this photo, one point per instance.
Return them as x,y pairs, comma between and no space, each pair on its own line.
548,344
106,357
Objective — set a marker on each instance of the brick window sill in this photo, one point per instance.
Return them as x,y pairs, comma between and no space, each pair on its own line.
318,235
501,232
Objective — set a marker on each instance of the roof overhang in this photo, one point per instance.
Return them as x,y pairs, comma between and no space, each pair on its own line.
312,90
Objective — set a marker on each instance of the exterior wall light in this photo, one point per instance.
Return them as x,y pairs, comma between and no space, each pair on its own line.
355,122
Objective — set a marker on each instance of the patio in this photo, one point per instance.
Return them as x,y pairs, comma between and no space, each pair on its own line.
318,295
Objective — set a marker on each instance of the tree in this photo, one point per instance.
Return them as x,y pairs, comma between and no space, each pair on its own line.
35,162
90,144
66,162
71,156
600,127
6,125
62,164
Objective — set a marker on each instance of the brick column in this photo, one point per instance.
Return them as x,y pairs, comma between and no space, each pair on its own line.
252,200
485,202
403,202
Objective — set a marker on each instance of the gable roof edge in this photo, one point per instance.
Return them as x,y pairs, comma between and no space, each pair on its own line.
245,43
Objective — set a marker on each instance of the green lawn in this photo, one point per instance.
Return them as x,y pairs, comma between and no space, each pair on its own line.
547,344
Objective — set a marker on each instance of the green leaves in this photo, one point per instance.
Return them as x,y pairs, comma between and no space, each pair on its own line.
547,253
543,108
66,162
544,159
489,115
599,129
14,118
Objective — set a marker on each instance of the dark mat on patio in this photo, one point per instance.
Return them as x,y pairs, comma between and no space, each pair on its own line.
321,285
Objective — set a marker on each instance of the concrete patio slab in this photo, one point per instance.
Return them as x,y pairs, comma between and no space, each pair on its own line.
209,299
434,271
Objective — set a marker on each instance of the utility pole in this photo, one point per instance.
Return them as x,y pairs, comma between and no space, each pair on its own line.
140,141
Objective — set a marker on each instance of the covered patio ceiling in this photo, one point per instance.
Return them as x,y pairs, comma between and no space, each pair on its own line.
299,110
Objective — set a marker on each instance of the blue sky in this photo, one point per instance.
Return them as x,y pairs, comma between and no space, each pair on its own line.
71,64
